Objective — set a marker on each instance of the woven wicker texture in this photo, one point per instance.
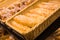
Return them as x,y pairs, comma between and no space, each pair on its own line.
55,35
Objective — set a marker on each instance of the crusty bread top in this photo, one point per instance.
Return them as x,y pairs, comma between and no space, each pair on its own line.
33,16
6,3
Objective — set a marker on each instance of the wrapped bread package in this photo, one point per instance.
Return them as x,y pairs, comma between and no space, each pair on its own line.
32,21
9,8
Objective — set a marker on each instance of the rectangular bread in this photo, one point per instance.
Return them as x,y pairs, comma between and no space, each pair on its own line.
42,11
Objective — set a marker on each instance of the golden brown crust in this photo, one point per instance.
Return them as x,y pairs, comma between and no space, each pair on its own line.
34,16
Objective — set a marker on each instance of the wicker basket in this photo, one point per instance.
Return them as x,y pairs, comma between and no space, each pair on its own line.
55,35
